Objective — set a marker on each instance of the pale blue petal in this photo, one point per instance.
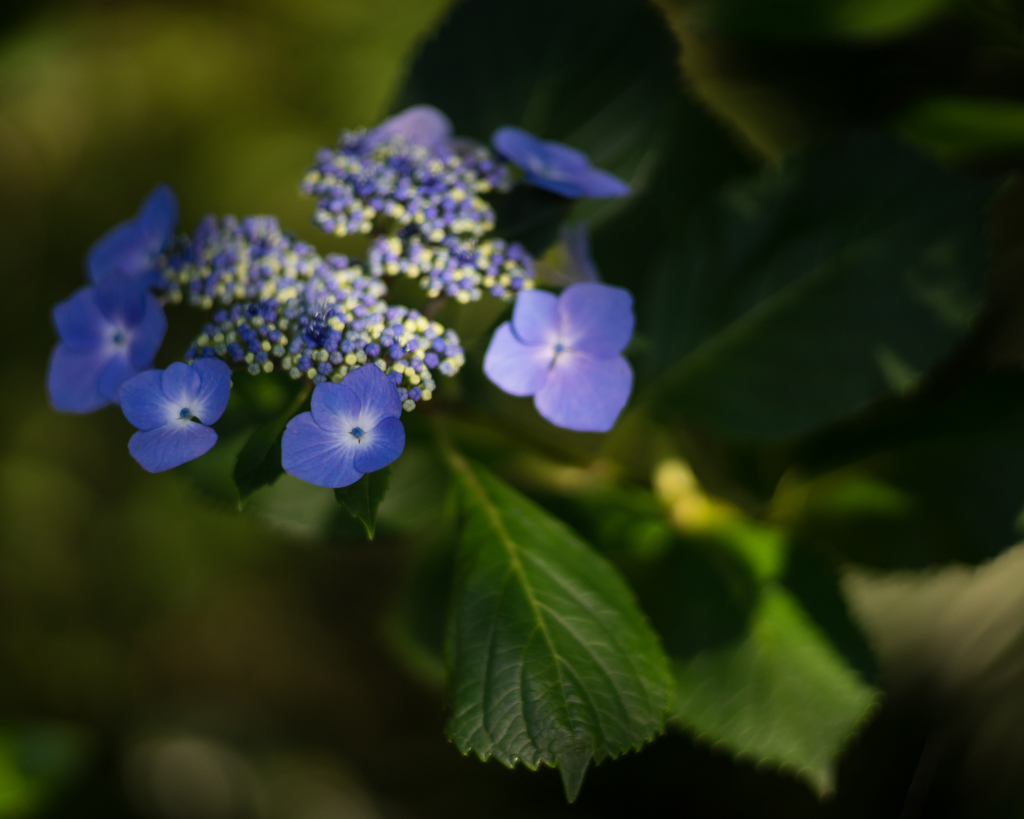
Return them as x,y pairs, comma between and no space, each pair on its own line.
420,125
378,396
171,445
181,384
73,378
209,405
380,446
535,318
146,338
585,394
144,403
318,457
335,407
80,323
517,368
596,318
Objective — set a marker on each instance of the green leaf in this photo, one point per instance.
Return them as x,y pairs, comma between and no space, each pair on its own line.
550,659
809,293
363,498
783,695
259,461
963,128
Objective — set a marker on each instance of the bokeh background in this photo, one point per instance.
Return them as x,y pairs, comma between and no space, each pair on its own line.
163,655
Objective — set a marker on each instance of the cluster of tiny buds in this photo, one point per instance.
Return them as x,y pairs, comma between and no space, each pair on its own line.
460,268
407,185
314,317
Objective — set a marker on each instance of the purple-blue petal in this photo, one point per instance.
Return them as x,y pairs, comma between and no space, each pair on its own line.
317,456
420,125
80,323
143,401
121,299
171,445
517,145
209,405
562,160
145,340
378,396
585,394
118,370
591,184
517,368
535,318
596,318
72,379
335,407
181,383
380,446
158,216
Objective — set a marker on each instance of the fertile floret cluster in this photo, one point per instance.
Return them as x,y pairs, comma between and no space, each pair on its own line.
316,317
372,183
459,268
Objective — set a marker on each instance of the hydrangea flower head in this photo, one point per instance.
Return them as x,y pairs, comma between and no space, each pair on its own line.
565,351
556,167
353,429
108,332
173,409
133,247
419,125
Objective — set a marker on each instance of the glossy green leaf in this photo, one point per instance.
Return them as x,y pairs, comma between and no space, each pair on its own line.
550,659
362,499
783,695
808,293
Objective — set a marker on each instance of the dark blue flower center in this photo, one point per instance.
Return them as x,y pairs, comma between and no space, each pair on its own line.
118,337
358,432
186,413
559,348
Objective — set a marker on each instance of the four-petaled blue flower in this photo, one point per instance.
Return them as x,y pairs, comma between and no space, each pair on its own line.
133,247
556,167
565,351
420,125
353,429
108,332
173,409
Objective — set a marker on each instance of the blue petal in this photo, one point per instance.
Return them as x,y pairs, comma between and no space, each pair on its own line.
335,407
599,184
585,394
517,368
596,318
145,340
562,160
131,248
72,379
80,323
181,383
378,396
158,216
144,403
517,145
121,299
318,457
171,445
209,405
380,446
535,318
117,371
420,125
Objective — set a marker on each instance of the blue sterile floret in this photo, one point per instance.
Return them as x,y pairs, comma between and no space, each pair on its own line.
133,248
556,167
352,428
173,409
286,306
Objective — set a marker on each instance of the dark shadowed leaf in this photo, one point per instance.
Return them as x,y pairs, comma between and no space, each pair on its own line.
363,498
808,293
550,659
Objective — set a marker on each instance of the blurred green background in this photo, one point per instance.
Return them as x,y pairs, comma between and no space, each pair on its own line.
162,655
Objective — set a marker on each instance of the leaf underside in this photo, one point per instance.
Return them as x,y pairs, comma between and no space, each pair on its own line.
550,659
